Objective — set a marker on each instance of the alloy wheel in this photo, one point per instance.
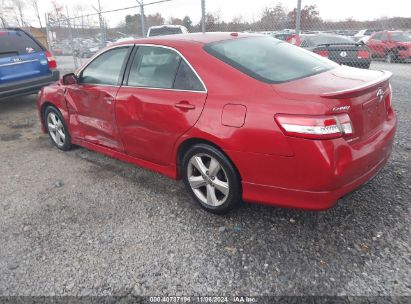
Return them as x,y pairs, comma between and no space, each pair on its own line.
208,180
56,129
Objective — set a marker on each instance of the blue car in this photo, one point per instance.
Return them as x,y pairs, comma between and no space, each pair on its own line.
25,65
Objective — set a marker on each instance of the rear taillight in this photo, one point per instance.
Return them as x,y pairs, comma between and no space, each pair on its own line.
323,53
51,60
315,127
363,54
388,99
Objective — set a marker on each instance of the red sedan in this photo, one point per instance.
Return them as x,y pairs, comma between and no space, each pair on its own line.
393,46
238,117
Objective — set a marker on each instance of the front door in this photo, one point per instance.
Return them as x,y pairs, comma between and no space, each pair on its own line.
162,98
91,101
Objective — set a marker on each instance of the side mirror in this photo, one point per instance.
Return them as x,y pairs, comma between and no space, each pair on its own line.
69,79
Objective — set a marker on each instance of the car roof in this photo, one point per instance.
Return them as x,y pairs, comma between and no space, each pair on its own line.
165,26
197,38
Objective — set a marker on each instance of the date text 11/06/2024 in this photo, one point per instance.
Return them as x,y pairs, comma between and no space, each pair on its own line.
235,299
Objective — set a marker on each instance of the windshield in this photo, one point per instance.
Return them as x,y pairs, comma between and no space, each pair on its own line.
269,59
317,40
401,37
165,31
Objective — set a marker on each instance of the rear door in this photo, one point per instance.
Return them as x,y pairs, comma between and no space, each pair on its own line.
162,98
21,57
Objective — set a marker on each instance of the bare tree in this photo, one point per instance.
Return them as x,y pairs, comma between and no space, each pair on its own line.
35,6
56,15
18,8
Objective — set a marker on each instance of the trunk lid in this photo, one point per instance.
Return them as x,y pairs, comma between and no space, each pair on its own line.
363,94
341,51
21,67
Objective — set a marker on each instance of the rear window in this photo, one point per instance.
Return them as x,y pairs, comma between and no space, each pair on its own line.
317,40
269,59
165,31
17,43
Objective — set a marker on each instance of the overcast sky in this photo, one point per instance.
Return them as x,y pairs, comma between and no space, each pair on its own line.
250,9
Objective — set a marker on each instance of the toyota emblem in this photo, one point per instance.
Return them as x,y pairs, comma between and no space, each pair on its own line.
380,94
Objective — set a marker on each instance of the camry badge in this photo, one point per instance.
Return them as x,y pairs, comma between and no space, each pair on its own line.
343,54
380,94
338,109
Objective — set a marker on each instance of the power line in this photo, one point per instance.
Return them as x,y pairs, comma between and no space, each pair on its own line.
120,9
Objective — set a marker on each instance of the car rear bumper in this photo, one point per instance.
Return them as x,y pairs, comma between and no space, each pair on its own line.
318,175
28,86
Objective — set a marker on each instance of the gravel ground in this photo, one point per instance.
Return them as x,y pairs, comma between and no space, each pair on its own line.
79,223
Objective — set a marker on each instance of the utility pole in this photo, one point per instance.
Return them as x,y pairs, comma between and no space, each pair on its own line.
203,16
48,34
73,46
101,21
298,18
143,23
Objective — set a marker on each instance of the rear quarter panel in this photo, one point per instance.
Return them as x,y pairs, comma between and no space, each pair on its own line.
226,85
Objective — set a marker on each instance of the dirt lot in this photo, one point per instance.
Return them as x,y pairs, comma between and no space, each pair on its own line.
79,223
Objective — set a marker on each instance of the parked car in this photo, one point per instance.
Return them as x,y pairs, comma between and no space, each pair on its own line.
87,51
25,64
391,45
284,36
236,116
163,30
340,49
364,35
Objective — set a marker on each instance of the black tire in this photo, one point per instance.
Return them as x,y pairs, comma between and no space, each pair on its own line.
233,198
390,57
65,145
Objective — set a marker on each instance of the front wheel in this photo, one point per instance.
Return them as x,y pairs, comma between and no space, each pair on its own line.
57,129
211,179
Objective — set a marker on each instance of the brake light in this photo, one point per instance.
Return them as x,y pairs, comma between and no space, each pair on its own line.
388,99
51,60
363,54
323,53
315,127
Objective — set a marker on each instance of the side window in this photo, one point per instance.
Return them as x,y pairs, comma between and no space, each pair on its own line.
377,36
106,68
384,37
186,79
154,67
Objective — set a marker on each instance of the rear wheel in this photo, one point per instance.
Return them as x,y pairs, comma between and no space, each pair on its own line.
390,57
211,179
57,129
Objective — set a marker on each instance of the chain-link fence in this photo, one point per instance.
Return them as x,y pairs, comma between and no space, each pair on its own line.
78,30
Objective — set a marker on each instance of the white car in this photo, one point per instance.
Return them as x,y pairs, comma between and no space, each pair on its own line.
364,35
162,30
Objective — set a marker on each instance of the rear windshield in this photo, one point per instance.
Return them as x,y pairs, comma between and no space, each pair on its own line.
17,43
317,40
164,31
401,37
269,59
